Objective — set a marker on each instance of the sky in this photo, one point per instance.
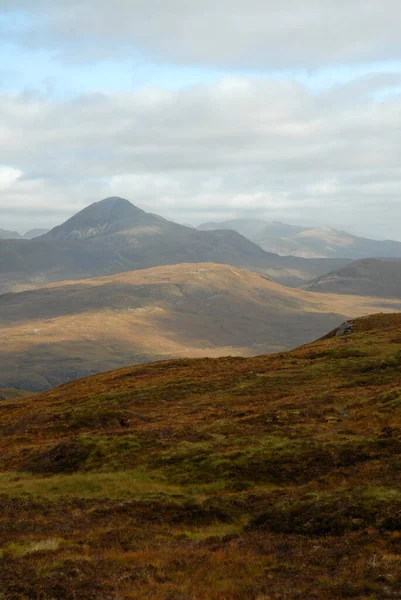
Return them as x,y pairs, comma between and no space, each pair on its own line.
203,111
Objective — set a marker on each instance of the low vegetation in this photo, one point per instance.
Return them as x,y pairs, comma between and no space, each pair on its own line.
275,477
73,329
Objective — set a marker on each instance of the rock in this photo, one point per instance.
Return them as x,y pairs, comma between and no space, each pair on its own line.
344,328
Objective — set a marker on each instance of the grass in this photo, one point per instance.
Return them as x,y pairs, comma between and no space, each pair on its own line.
269,477
17,550
137,485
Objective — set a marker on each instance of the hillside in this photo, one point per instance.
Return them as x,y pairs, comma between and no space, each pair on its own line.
65,331
369,277
222,479
10,394
113,236
319,242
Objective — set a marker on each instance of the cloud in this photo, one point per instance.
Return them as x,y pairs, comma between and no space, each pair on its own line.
243,146
236,33
8,177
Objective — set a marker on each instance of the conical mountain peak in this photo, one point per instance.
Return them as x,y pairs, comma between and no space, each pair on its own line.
105,217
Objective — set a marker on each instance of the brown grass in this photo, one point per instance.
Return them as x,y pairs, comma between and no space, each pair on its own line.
269,477
72,329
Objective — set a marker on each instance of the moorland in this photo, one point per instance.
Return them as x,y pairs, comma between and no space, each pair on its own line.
266,477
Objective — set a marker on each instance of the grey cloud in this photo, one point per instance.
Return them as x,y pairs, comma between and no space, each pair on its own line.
252,33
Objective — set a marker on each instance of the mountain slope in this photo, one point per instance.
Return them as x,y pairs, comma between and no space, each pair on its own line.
113,236
68,330
275,476
107,217
369,277
323,242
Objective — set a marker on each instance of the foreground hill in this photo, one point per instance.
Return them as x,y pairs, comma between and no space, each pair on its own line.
68,330
323,242
113,236
231,478
369,277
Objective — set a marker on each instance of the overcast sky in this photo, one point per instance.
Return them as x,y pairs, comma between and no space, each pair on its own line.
203,110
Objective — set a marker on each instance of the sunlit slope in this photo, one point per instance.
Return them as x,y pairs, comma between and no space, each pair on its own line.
72,329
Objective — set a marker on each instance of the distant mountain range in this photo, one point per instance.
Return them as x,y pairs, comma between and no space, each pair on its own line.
368,277
71,329
322,242
113,235
14,235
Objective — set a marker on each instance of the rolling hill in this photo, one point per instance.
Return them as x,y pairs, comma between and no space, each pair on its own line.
113,236
269,477
369,277
320,242
68,330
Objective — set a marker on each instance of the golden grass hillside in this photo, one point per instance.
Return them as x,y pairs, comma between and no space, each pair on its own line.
72,329
275,477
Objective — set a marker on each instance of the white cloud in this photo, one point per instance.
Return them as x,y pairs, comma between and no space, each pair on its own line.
249,147
8,177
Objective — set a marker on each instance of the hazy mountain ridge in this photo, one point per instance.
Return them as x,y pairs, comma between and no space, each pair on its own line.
34,233
9,235
15,235
368,277
323,242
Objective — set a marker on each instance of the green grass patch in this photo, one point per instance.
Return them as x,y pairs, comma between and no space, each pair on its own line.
125,484
16,550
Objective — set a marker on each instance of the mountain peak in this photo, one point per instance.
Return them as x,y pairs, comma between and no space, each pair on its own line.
112,202
105,217
112,206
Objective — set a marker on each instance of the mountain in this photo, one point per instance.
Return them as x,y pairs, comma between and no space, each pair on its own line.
368,277
112,236
269,477
108,217
9,235
34,233
259,231
14,235
321,242
68,330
